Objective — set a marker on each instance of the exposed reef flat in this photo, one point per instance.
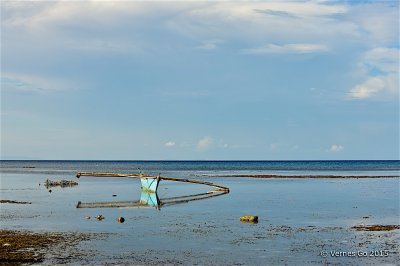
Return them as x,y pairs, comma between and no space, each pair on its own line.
21,247
376,227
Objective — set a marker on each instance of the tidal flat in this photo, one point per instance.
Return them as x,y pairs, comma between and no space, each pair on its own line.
301,221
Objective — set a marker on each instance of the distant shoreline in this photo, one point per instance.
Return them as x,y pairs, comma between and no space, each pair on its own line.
204,161
233,169
306,176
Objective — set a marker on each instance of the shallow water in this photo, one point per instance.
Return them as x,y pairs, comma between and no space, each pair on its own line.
298,218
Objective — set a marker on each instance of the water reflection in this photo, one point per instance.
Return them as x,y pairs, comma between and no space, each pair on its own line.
151,200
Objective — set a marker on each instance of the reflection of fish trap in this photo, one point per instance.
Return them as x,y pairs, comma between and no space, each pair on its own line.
149,197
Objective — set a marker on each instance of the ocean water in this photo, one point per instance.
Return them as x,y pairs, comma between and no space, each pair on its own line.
298,218
190,168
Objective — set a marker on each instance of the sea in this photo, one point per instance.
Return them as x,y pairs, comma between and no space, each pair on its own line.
189,168
301,221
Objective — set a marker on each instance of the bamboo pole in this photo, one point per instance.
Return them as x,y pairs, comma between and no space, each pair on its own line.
79,174
219,188
195,182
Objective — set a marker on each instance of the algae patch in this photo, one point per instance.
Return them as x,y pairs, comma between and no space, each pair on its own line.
20,247
60,183
15,202
376,227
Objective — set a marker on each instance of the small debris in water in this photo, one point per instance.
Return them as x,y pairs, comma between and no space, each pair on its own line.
249,219
121,219
87,217
100,217
60,183
114,195
50,190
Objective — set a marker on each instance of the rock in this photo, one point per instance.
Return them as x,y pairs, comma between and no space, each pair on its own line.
249,219
121,219
114,195
87,217
100,217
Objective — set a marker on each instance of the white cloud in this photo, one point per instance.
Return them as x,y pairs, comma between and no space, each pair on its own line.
369,88
296,25
31,83
379,21
274,146
253,22
105,46
209,44
257,23
262,27
294,48
336,148
205,143
170,144
379,69
385,59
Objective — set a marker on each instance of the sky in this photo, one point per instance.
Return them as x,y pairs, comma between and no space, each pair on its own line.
230,80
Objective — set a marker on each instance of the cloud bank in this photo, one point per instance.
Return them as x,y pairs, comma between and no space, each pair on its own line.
205,143
336,148
170,144
295,48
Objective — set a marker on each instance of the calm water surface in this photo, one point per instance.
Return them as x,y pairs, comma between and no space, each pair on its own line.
298,218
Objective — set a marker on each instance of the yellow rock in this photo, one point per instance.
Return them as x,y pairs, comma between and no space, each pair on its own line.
249,219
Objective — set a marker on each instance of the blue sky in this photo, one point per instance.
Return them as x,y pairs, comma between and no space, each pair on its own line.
266,80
